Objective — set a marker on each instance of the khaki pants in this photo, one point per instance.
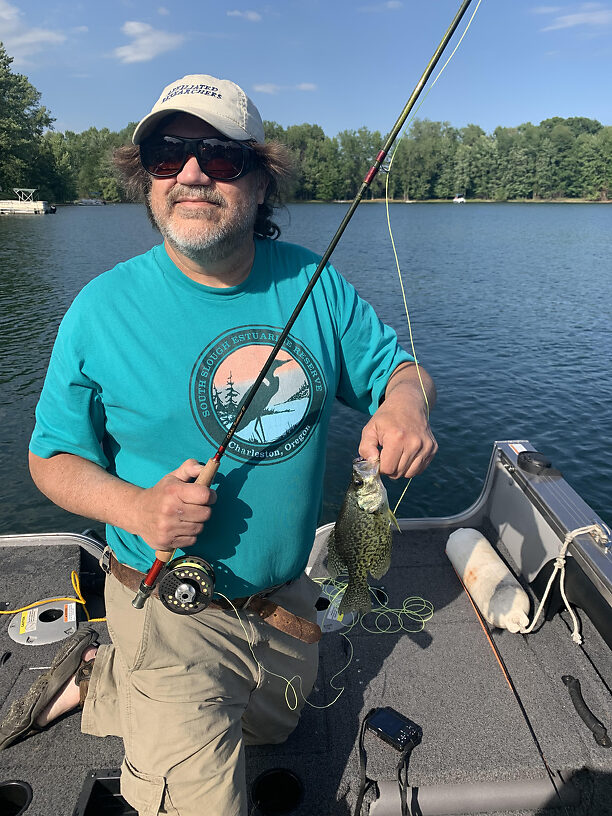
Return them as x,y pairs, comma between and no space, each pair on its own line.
186,693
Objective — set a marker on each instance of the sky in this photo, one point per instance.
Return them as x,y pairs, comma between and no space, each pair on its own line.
341,64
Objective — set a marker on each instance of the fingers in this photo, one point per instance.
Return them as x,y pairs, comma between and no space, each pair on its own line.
409,458
368,447
403,453
173,512
190,469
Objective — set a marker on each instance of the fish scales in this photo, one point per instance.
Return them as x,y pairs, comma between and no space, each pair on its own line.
360,541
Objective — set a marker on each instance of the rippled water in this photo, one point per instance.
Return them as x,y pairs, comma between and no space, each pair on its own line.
510,309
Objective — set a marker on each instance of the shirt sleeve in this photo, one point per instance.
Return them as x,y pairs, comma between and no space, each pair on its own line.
369,350
70,415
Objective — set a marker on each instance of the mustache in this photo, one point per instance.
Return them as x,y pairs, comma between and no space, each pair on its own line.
194,193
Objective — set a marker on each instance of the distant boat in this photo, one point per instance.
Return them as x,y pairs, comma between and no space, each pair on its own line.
25,203
458,200
90,202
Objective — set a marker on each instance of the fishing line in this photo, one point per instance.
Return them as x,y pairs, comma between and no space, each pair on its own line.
289,682
415,609
393,246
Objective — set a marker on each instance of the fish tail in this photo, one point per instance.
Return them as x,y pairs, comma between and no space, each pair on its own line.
356,597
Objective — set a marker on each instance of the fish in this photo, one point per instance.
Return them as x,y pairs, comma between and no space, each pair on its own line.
360,540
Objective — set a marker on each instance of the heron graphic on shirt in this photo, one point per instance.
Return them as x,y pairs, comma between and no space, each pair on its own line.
262,399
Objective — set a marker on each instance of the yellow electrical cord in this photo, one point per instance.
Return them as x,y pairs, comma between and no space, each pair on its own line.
79,599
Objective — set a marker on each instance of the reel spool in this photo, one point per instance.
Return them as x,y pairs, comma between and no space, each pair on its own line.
187,585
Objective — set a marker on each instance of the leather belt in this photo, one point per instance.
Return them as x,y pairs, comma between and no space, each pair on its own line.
267,610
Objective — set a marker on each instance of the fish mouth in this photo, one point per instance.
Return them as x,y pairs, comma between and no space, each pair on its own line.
366,468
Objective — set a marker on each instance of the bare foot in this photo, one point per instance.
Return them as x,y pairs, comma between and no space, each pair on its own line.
66,698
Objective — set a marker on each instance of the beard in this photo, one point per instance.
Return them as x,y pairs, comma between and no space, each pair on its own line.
205,235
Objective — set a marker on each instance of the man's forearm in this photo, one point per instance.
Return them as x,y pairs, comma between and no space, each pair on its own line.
84,488
167,515
412,380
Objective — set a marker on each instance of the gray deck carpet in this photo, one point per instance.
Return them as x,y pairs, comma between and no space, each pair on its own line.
444,677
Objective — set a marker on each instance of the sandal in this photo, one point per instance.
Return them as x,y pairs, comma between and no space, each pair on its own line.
21,716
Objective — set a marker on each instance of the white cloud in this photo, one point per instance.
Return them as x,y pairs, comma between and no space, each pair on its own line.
147,43
267,88
20,40
389,5
251,16
271,88
590,14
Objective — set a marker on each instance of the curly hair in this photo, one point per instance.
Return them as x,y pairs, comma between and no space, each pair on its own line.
275,162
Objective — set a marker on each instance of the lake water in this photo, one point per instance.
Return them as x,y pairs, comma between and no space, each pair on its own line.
510,309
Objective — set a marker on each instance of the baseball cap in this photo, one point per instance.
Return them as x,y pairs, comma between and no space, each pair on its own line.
220,102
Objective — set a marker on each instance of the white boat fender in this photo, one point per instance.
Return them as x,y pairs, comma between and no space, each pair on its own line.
493,588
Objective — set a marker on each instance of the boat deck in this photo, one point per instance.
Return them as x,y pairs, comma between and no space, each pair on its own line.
445,677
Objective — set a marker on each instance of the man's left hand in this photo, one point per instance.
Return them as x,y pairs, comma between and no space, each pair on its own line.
399,431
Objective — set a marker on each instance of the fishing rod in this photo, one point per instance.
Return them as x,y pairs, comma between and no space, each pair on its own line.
210,469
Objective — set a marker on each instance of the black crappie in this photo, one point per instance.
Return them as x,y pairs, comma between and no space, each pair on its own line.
360,541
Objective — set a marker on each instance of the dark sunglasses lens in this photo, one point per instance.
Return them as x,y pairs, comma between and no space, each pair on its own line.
162,158
221,161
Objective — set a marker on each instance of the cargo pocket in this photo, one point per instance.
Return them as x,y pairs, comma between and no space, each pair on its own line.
144,792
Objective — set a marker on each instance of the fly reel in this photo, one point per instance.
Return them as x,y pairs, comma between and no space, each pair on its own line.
187,585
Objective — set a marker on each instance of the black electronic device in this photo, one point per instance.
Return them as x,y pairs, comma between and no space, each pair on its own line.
394,728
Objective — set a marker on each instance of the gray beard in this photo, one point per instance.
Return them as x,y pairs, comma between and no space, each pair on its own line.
218,241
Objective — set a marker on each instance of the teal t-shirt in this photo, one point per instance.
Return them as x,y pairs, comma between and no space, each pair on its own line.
149,368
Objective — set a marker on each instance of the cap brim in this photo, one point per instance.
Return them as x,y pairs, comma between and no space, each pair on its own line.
225,126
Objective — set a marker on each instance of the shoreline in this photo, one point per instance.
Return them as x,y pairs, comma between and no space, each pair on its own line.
467,201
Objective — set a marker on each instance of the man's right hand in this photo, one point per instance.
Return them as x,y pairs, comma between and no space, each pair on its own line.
172,513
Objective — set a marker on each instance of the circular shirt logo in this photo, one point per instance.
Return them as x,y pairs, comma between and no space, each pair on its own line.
286,406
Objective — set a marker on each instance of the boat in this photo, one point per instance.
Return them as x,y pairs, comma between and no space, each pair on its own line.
25,204
508,723
459,199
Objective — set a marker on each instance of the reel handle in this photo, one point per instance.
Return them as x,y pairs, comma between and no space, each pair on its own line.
205,477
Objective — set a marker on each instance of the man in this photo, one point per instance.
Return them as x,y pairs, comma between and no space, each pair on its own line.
148,370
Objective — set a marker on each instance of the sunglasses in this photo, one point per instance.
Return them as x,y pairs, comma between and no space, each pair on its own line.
165,156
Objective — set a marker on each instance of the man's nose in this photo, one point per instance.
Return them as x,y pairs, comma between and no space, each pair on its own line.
191,173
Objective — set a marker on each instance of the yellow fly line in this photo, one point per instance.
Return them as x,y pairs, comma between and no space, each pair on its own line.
397,263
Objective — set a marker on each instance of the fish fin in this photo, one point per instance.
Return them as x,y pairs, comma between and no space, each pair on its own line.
392,519
381,568
334,563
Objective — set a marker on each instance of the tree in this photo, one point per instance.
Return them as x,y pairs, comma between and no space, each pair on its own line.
592,164
22,121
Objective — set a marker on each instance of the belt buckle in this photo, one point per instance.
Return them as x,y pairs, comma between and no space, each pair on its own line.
105,560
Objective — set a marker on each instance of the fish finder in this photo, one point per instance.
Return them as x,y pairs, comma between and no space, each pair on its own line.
394,728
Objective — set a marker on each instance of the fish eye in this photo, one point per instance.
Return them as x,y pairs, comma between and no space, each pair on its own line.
358,481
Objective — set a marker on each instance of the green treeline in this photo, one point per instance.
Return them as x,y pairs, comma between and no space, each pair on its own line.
559,158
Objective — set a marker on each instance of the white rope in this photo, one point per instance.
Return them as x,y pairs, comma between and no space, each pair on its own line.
598,533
